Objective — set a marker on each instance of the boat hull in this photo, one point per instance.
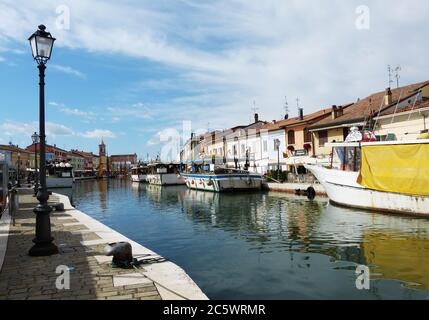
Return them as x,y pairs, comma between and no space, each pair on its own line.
139,177
342,188
59,182
164,179
85,178
223,183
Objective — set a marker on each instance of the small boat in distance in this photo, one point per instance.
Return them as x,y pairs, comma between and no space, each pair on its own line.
164,174
59,175
221,179
388,176
139,173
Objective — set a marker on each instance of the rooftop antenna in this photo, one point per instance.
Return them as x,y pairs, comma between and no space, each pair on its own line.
286,107
397,75
297,104
389,70
254,110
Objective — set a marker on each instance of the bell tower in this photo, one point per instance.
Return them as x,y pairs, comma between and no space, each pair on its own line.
102,149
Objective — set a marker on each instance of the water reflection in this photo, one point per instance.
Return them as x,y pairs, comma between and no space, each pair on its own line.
267,245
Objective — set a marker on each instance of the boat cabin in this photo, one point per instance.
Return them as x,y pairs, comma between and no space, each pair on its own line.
59,169
139,170
164,168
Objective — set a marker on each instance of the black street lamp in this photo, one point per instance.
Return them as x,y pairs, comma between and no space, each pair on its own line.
36,140
277,145
18,184
41,45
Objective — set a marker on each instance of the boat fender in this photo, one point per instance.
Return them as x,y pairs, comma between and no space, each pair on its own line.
210,182
311,193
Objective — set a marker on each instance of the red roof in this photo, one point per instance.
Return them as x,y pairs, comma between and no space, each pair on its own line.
370,105
83,153
292,122
409,107
12,148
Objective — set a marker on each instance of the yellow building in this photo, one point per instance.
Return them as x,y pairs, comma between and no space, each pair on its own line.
365,112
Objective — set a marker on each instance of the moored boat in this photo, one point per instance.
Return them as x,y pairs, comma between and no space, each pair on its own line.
59,175
390,176
139,173
164,174
222,180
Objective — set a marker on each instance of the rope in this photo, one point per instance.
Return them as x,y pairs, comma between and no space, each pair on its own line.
137,263
378,114
267,177
396,108
156,282
414,104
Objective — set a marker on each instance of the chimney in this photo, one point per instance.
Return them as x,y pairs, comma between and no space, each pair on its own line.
388,97
334,112
256,117
286,116
340,111
301,113
274,121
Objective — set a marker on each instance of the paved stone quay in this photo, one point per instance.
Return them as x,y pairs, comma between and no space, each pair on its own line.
81,241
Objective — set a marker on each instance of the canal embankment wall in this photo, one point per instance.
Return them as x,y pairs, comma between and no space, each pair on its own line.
294,187
81,239
172,282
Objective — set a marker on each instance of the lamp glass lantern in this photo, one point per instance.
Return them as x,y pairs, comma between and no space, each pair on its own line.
35,138
41,43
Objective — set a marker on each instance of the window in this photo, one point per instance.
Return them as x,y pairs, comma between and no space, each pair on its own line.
346,132
243,149
291,137
265,145
307,135
323,138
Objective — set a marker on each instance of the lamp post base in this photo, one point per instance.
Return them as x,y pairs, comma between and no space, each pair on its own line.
43,245
43,250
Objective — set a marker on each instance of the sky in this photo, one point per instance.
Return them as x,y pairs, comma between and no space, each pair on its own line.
136,73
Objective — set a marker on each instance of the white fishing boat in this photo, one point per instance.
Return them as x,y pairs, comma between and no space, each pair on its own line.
139,173
59,175
390,176
222,180
164,174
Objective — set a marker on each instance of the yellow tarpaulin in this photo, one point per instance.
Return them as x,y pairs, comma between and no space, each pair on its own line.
396,168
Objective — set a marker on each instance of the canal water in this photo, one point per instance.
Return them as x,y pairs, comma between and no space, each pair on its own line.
267,245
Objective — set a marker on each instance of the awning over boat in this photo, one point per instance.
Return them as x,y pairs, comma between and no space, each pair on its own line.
396,168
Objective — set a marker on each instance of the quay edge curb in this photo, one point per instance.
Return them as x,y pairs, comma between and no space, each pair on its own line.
166,273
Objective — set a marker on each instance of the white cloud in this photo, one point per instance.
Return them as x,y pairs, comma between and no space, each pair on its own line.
235,51
68,70
98,133
137,110
15,130
56,129
88,115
